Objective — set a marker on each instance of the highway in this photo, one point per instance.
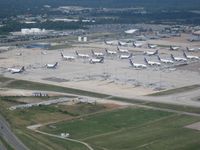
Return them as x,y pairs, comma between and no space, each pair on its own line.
9,136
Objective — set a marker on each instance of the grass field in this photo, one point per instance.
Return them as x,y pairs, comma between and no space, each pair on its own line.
167,134
41,142
122,129
133,128
106,122
20,119
21,84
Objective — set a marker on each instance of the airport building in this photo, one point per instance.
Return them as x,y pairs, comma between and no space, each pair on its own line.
33,31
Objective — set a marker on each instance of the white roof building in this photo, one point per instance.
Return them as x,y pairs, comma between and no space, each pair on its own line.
33,31
131,31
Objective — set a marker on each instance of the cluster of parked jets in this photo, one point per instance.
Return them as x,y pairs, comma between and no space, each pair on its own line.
151,46
98,57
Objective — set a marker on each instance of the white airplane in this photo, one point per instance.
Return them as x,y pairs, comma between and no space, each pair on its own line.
82,55
97,54
142,66
174,48
135,44
110,52
65,57
43,53
152,46
52,66
190,56
123,43
15,70
151,63
19,54
96,60
191,49
167,61
178,58
125,56
122,50
150,53
108,42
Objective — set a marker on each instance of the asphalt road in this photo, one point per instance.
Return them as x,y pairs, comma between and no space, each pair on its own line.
9,136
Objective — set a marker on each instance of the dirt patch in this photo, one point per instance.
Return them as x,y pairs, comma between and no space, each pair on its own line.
54,79
112,106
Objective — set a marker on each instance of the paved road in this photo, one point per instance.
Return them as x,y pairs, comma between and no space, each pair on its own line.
9,136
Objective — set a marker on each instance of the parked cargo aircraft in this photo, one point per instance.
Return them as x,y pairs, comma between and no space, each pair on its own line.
82,55
135,65
66,57
174,48
122,50
123,43
150,53
192,49
15,70
43,53
151,63
190,56
108,42
52,66
152,46
97,54
135,44
96,60
125,56
110,52
178,58
167,61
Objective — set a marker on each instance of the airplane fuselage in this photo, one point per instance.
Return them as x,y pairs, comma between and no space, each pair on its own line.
96,60
180,59
123,50
125,56
111,52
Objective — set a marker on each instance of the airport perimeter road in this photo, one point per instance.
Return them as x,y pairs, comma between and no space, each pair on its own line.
9,136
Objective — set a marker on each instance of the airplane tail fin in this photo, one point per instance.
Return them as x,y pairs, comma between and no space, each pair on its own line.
131,55
145,60
56,64
119,43
76,53
172,57
156,52
92,52
159,58
134,44
171,48
149,45
118,48
105,42
131,62
62,54
22,69
184,54
106,50
102,60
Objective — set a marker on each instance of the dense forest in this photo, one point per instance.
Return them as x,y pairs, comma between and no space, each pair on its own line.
159,11
13,7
